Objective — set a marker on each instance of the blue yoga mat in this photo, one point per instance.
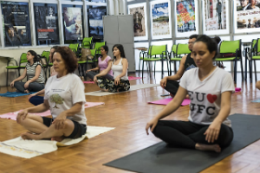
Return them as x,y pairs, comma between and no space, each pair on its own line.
14,94
256,101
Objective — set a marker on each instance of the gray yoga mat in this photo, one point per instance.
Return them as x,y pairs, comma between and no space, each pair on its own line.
160,158
256,101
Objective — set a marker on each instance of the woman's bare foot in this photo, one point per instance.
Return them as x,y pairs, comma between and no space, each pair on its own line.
205,147
26,91
58,138
30,136
104,90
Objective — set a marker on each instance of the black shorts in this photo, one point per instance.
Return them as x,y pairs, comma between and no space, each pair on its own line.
79,129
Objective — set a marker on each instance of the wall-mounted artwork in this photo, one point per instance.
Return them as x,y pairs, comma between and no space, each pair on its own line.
46,24
160,19
72,23
186,16
247,16
16,24
140,20
95,21
215,17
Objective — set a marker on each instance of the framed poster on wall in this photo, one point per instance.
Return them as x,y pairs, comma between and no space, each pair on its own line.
247,16
95,21
215,17
46,24
186,17
140,20
16,24
160,19
72,23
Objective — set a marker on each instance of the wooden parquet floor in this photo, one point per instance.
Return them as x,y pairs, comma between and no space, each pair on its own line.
128,113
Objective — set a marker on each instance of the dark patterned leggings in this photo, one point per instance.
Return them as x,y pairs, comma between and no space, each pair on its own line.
109,85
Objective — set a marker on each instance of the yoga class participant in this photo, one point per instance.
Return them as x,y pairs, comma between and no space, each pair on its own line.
209,89
64,96
104,62
35,75
35,99
119,67
170,83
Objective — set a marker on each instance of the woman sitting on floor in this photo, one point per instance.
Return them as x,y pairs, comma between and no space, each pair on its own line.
119,67
34,72
104,62
35,99
64,96
209,89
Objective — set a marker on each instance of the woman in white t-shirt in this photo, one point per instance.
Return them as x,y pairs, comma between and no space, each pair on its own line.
209,89
64,96
119,67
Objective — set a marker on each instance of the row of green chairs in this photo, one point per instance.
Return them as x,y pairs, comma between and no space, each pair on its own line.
228,51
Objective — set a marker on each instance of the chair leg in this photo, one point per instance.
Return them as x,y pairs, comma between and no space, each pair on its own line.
168,68
175,70
143,70
154,69
162,68
255,70
7,78
139,65
235,72
242,71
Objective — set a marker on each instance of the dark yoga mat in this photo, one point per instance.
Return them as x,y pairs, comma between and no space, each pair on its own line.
160,158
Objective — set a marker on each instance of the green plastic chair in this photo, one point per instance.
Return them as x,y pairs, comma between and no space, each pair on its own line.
143,54
173,58
157,53
75,48
234,49
255,54
87,42
98,45
23,60
83,65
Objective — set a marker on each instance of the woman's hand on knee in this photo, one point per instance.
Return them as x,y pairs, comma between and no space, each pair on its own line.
22,115
12,84
212,132
26,85
151,125
60,121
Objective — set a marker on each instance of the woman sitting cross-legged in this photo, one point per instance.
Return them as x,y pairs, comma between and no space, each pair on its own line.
64,96
209,89
119,67
104,62
34,72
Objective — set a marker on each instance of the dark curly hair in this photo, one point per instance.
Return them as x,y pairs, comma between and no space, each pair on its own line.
35,56
69,58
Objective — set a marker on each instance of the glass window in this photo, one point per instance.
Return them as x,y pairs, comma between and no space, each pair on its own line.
46,24
72,23
16,24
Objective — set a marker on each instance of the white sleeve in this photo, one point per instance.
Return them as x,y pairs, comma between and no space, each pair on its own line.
47,85
227,83
184,79
77,91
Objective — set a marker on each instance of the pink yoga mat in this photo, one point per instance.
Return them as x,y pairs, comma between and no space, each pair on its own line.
129,78
166,101
13,115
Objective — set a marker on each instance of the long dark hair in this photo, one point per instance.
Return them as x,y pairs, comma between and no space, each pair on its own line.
121,49
36,56
210,43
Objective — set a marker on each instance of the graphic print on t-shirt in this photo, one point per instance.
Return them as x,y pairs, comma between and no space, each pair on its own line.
212,98
57,99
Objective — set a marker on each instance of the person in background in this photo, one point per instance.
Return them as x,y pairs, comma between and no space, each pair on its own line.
119,67
170,83
104,62
35,75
